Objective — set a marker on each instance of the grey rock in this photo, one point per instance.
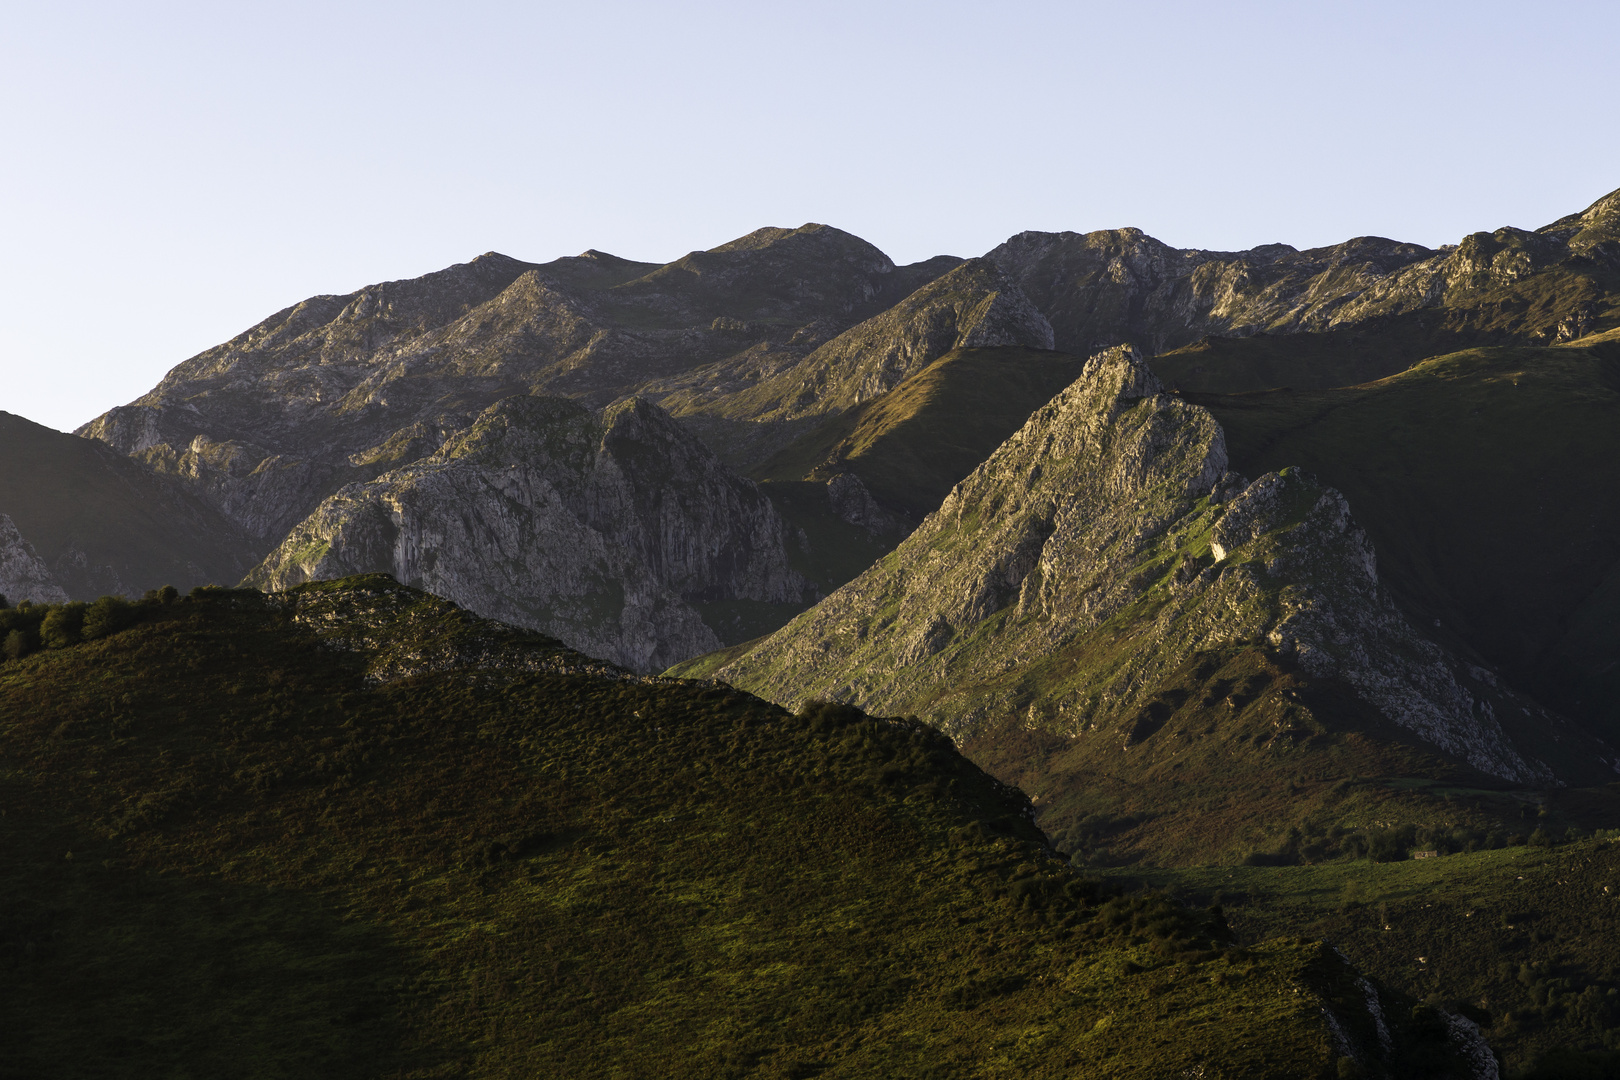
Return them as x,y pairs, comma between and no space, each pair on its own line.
23,574
853,503
603,530
1106,287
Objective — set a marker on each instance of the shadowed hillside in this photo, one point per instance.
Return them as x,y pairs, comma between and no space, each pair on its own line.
913,444
1487,480
101,523
350,830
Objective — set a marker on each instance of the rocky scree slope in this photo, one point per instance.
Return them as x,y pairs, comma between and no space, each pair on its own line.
1097,551
605,530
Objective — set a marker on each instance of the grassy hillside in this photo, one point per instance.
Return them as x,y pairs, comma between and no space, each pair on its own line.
352,831
1242,757
1524,939
1313,361
1489,481
104,523
911,445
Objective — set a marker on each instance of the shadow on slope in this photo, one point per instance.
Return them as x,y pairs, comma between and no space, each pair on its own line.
913,444
103,523
1488,482
1520,938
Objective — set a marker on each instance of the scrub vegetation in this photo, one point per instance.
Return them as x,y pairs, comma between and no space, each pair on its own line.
351,830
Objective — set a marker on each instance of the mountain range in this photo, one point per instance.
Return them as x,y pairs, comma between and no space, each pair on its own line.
1261,559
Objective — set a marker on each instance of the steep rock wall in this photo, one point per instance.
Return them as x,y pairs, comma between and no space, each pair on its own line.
602,530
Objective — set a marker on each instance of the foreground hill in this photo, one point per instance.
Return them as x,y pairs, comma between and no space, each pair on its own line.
350,830
1134,633
78,519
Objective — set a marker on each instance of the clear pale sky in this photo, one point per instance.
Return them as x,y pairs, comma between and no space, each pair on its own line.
172,173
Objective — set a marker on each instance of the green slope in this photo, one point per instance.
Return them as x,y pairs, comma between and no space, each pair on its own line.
1241,756
1524,938
1489,481
352,831
913,444
1313,361
103,522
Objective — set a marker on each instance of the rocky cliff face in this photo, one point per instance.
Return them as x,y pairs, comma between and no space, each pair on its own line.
1098,550
603,530
23,574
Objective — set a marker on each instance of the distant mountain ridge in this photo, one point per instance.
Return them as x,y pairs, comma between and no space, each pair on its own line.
1103,287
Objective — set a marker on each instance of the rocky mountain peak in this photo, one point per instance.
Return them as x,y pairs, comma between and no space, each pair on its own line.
1097,551
811,240
1597,224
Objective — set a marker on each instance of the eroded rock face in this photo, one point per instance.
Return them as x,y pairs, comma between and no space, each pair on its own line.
603,530
1093,554
23,574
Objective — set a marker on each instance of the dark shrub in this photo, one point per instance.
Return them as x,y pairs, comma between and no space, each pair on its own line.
62,626
15,646
106,616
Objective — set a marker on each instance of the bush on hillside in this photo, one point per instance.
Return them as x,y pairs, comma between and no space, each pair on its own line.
106,616
62,626
16,645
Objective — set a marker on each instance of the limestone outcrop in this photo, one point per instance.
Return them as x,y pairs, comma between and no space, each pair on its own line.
606,530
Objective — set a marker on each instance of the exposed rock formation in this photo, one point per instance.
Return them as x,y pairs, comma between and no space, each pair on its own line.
1095,552
23,574
603,531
